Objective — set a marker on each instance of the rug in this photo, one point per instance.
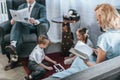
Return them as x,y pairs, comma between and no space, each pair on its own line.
55,56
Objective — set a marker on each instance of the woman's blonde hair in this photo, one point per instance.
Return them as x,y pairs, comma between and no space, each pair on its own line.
109,17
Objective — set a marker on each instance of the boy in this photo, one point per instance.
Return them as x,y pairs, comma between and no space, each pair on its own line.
36,57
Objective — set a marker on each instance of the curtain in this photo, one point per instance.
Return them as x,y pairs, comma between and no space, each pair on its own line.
3,11
56,8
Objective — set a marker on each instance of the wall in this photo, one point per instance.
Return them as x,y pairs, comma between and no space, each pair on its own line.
85,8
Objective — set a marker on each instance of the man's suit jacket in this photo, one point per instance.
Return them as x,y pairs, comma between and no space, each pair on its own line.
38,12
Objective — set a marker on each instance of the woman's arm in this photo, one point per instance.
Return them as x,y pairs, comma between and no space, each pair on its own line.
101,56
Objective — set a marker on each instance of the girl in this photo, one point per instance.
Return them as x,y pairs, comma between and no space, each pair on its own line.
82,36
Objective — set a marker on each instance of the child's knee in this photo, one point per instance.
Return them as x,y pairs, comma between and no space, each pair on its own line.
42,72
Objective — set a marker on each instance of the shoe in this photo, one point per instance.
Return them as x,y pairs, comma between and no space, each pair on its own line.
27,78
11,49
12,65
9,66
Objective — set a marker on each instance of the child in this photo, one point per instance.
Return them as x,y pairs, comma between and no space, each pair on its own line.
35,64
82,35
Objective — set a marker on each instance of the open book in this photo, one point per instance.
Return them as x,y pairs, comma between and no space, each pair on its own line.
82,50
20,15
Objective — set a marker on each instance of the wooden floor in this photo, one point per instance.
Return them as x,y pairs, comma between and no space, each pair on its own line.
14,74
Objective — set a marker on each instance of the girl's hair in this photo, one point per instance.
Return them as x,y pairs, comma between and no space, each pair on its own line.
42,39
109,17
84,32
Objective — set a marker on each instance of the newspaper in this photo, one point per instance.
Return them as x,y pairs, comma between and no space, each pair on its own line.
82,50
20,15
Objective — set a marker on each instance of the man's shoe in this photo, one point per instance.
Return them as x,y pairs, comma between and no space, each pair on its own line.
10,49
12,65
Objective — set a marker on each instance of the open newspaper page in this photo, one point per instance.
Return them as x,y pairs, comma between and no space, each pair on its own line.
21,15
82,50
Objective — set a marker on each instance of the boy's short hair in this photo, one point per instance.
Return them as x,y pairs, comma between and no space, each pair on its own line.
42,39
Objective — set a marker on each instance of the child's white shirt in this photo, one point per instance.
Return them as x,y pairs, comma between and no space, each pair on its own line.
37,55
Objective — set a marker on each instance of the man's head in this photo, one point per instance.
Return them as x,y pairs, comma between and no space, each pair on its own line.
43,41
107,17
30,1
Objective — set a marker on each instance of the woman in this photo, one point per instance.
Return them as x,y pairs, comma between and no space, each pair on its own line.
108,43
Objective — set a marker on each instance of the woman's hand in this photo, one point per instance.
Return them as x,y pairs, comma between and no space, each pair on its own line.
95,51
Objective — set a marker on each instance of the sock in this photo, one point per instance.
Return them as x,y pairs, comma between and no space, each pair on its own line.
13,43
30,77
14,58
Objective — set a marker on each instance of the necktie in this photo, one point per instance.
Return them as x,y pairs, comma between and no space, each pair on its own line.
29,8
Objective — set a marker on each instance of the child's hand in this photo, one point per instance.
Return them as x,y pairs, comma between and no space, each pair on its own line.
50,68
54,62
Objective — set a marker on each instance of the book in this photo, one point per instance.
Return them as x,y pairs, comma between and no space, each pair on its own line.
82,50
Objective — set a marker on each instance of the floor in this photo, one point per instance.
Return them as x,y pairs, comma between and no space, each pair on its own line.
14,74
19,72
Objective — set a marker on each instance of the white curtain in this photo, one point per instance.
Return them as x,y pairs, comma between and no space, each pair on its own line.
3,11
85,8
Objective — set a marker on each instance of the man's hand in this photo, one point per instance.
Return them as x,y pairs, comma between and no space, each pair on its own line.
49,68
33,21
12,21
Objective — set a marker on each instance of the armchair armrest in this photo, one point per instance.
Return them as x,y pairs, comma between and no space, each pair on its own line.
43,28
5,28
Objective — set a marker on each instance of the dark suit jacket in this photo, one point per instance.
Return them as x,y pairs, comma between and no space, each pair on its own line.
38,12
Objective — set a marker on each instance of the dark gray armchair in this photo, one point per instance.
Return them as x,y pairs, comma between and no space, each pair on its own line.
27,42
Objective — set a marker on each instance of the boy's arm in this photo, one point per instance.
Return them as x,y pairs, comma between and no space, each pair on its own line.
46,67
50,60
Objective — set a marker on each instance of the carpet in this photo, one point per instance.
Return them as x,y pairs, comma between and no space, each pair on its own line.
55,56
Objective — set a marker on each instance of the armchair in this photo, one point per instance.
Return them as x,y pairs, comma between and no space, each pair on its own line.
27,42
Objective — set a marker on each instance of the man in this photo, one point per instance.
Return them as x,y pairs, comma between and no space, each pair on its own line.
37,18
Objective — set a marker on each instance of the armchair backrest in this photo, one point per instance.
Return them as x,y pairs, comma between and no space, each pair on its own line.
13,4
